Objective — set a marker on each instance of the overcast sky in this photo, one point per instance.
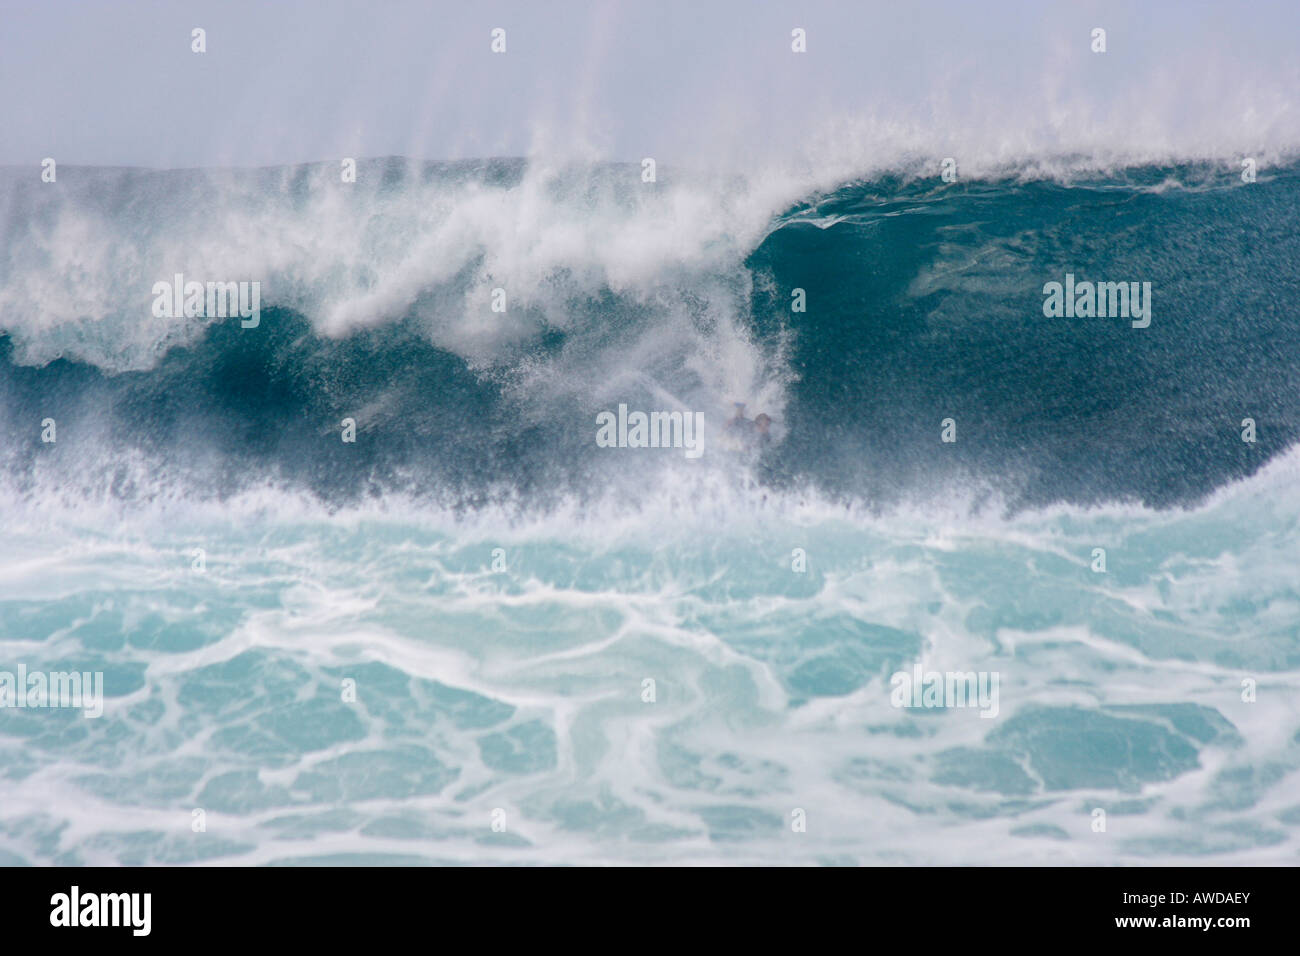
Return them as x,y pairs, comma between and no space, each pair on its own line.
683,80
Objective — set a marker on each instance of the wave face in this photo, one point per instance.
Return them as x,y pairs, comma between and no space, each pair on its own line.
923,301
499,589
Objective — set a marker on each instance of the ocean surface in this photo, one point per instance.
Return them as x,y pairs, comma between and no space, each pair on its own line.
473,636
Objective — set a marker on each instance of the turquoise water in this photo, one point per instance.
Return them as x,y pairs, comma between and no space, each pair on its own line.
501,710
522,690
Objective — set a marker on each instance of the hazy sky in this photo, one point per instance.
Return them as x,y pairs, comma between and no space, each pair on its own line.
688,81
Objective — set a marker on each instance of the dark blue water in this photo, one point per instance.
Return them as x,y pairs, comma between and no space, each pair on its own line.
925,302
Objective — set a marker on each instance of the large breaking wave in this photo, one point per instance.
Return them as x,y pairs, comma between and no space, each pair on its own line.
499,589
923,303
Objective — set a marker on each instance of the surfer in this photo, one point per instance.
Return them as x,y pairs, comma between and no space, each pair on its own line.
740,426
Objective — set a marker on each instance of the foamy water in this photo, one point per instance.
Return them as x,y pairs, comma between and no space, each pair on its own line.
522,690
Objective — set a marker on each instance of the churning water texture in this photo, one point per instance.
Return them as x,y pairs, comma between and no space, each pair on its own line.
473,635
